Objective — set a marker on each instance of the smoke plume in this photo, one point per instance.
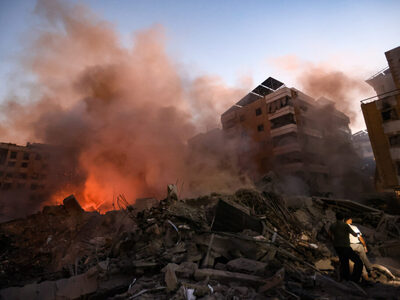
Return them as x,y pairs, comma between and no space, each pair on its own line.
346,89
122,115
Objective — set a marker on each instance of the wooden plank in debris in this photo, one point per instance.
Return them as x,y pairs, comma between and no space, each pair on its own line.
231,219
349,204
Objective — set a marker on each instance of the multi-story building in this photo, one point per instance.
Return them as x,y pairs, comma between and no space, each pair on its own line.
285,130
381,115
30,174
23,167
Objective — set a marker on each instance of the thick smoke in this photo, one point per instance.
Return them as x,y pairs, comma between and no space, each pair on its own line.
125,114
345,88
334,89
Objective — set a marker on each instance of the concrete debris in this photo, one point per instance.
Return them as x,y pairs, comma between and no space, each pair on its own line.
248,245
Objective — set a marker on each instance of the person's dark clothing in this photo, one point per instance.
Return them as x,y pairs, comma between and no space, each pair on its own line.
341,231
341,242
346,253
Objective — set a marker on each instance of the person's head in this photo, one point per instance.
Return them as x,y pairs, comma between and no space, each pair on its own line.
339,216
348,220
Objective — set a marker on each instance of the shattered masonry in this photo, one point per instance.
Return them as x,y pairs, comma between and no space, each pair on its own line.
188,249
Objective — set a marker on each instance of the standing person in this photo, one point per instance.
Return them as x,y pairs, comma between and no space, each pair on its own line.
358,245
340,231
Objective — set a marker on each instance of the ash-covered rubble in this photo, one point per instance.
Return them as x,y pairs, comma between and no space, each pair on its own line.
248,245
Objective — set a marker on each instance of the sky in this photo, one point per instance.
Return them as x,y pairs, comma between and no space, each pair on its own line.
234,40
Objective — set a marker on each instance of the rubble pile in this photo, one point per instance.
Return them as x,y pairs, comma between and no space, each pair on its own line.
248,245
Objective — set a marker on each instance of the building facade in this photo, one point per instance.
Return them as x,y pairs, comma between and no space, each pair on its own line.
23,167
284,130
382,117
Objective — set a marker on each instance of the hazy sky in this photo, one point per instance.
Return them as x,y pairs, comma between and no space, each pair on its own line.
235,39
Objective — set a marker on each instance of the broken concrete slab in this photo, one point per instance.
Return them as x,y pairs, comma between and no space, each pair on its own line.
231,219
226,277
170,277
245,265
72,205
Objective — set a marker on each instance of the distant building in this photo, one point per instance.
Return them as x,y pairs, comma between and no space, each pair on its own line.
23,167
381,114
362,145
285,130
30,174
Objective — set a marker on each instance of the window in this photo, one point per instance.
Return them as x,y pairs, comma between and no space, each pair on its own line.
260,127
241,118
26,156
7,185
13,155
3,156
1,173
34,186
9,175
20,185
394,140
389,114
258,111
22,175
35,176
38,157
24,165
11,163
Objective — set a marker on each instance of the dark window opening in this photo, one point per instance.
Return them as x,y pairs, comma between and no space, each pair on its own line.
24,165
21,185
11,163
1,173
241,118
38,157
23,175
394,140
282,121
26,156
13,154
34,186
9,175
35,176
258,111
3,156
7,185
390,114
260,127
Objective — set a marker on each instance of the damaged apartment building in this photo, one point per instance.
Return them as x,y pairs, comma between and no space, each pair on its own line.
30,173
382,117
284,130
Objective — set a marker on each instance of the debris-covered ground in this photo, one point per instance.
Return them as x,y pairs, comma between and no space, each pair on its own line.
248,245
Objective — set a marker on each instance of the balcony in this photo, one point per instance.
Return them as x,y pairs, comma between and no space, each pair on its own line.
312,132
280,112
292,147
284,129
395,153
391,126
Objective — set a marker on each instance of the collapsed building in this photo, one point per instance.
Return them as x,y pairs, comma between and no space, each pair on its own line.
283,129
381,115
245,245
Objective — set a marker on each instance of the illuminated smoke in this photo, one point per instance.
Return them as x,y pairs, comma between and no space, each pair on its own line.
123,113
